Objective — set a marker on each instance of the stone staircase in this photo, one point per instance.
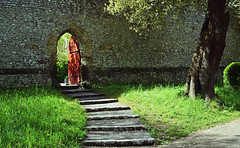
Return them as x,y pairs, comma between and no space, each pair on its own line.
109,122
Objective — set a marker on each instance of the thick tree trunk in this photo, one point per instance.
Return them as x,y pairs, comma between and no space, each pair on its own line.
211,44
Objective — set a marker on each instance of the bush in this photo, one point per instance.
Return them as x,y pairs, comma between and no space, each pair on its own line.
62,70
231,75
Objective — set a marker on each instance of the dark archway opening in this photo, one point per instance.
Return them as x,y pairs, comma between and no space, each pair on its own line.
68,60
86,47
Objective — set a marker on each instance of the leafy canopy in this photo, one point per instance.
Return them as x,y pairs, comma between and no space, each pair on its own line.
62,47
152,14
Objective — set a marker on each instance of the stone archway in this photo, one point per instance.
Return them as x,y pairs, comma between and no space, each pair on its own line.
86,51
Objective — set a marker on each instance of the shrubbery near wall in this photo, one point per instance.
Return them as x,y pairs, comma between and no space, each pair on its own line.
62,64
231,75
62,70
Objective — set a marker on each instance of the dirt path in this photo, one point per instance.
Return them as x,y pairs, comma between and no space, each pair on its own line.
221,136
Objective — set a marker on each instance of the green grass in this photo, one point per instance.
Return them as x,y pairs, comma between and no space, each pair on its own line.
168,114
40,117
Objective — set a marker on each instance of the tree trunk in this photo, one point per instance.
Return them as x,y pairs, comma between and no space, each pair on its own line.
206,59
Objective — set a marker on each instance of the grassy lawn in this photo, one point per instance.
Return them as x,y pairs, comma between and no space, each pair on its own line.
40,117
168,114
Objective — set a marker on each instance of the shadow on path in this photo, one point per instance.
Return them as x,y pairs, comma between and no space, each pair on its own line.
223,136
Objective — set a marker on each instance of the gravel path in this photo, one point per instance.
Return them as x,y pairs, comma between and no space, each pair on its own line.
221,136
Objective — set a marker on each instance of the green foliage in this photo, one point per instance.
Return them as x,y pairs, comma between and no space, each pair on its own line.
231,75
62,64
62,46
236,5
229,97
62,70
168,114
40,117
152,14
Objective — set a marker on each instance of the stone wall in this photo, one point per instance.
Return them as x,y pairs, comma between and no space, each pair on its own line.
110,51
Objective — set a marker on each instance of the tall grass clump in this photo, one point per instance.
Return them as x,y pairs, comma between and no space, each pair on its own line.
40,117
169,114
229,97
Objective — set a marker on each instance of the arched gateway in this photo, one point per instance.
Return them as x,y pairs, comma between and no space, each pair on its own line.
79,54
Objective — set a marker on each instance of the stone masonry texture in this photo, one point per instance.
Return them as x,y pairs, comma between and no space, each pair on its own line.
110,51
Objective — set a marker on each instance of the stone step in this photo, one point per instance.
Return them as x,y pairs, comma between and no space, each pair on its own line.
109,123
120,114
65,86
114,122
111,117
116,128
115,125
105,107
118,138
85,94
99,101
91,98
70,91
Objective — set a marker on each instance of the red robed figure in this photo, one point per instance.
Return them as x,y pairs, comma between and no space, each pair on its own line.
74,61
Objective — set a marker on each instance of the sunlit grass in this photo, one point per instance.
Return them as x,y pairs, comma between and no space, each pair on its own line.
169,114
40,117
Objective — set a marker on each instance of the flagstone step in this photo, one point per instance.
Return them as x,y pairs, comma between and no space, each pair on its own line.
97,101
111,117
120,114
85,94
116,128
65,86
91,98
114,122
70,91
111,113
109,123
115,125
118,138
105,107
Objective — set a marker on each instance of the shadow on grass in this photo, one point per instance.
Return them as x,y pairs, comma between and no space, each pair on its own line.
116,90
228,97
162,132
168,131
